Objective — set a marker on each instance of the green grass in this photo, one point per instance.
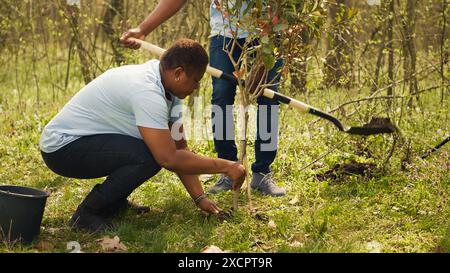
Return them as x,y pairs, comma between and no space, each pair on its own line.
393,210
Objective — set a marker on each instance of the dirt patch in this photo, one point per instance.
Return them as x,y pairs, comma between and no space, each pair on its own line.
381,124
342,170
222,215
375,126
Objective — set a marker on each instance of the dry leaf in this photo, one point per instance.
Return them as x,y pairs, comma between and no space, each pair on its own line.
294,201
178,216
212,249
239,74
374,247
112,244
272,224
53,230
296,244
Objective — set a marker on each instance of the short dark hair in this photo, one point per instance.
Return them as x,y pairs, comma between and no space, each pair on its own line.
186,53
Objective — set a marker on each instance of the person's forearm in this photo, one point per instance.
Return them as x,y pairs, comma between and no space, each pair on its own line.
186,162
163,11
190,181
192,184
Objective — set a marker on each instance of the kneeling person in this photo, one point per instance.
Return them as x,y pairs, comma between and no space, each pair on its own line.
119,126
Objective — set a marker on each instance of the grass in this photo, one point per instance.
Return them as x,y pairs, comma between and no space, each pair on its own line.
392,210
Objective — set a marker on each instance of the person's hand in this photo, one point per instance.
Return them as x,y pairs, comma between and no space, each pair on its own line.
208,206
132,33
236,172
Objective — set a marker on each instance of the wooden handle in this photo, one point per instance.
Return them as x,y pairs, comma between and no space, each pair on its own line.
303,107
160,51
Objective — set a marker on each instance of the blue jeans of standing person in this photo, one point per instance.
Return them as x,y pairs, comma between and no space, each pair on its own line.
224,93
125,161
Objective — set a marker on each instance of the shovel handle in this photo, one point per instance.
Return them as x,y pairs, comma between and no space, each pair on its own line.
221,75
156,50
268,93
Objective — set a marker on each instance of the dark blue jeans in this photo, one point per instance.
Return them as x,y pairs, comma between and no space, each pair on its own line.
125,160
224,93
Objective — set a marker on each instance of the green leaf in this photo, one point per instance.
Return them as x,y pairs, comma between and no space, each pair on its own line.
267,50
259,4
269,61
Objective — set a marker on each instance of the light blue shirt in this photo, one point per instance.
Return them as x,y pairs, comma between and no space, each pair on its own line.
116,102
223,26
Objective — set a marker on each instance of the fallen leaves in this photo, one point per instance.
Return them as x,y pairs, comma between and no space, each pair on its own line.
112,244
296,244
294,201
272,224
374,247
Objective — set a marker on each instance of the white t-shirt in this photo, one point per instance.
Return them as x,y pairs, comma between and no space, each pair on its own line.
221,25
116,102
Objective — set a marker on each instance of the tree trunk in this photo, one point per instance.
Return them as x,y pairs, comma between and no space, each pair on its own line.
113,8
34,54
72,14
338,64
298,71
444,53
242,149
390,47
379,65
410,49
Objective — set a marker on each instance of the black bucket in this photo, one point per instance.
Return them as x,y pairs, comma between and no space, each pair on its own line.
21,211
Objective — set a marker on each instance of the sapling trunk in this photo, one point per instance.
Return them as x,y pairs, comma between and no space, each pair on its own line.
243,149
243,103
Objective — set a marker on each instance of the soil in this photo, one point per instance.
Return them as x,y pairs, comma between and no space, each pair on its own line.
342,170
377,122
223,215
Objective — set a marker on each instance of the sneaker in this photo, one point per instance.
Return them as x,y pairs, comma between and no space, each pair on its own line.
223,184
265,184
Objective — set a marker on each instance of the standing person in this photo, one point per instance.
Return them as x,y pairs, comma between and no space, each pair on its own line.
224,92
125,125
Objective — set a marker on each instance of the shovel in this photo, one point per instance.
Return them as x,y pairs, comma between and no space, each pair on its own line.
376,126
432,150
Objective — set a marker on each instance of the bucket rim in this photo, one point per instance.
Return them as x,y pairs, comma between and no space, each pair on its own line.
40,196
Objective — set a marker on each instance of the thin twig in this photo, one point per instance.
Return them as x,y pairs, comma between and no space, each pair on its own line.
387,97
325,154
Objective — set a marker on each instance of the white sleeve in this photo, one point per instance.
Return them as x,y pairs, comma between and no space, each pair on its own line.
150,110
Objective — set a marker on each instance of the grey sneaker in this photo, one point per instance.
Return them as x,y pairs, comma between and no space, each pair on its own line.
265,184
223,184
